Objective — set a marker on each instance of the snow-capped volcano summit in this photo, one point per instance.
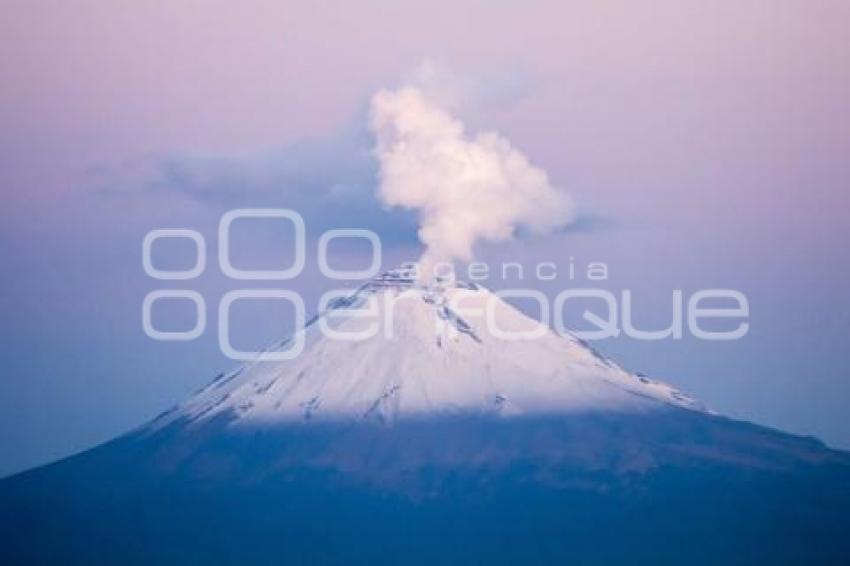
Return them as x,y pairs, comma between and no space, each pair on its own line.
412,429
396,349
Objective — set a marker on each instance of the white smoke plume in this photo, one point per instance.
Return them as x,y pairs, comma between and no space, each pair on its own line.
467,188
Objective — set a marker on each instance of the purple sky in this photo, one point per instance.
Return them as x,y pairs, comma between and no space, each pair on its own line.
709,140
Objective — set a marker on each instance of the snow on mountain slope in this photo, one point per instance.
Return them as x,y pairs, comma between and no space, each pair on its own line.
424,351
608,467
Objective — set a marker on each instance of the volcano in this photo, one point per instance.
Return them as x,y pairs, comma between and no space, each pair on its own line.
434,424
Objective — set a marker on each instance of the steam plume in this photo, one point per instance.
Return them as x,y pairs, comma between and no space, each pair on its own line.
467,188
